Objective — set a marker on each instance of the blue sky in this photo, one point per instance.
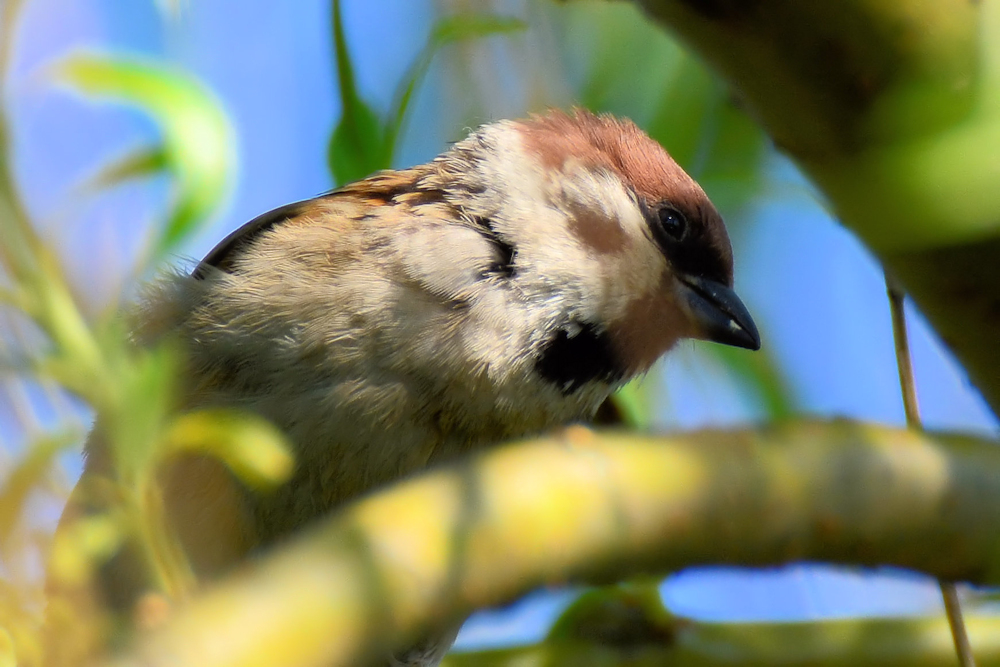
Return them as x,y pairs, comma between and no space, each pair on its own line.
816,293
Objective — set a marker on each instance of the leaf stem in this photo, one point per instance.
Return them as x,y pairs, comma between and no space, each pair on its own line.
908,386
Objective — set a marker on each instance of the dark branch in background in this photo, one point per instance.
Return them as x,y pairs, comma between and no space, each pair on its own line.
598,508
908,385
888,106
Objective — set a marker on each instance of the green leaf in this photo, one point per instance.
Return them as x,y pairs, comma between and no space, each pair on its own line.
632,610
683,119
361,143
146,384
253,448
357,145
27,476
447,31
670,94
197,138
136,164
635,403
465,26
760,375
603,40
8,653
735,149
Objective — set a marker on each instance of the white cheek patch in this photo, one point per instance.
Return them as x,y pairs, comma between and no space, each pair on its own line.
583,253
609,223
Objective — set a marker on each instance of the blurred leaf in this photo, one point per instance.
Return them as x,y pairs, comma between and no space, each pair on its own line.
361,143
357,146
734,169
760,376
635,403
472,26
448,30
684,118
675,98
137,164
146,385
7,653
627,614
81,544
714,140
604,40
197,138
27,476
253,448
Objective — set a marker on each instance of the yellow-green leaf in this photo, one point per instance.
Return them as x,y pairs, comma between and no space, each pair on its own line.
8,656
253,448
135,164
28,475
471,26
197,138
635,403
83,544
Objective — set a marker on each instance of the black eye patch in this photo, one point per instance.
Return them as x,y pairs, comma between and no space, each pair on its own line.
687,242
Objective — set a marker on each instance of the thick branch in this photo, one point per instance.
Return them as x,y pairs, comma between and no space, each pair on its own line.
592,507
892,108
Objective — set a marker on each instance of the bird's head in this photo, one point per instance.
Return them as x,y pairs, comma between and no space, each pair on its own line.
604,227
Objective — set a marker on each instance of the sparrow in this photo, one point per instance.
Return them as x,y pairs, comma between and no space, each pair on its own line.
507,287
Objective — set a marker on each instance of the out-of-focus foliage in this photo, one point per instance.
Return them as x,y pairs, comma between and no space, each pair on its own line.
131,390
197,144
357,146
891,108
666,91
363,143
53,350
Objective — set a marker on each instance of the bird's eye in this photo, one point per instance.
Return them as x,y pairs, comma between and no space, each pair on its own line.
672,222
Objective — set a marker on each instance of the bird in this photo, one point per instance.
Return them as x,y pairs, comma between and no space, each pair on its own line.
505,288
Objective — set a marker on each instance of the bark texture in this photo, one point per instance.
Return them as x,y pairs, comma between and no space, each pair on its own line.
597,508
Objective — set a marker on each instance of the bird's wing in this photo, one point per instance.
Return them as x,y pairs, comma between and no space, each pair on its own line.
221,256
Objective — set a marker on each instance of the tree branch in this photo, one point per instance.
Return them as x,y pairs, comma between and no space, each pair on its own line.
587,507
891,108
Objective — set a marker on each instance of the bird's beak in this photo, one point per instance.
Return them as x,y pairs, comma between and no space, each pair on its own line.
718,314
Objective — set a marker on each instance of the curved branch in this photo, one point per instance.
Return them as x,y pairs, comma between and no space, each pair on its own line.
589,507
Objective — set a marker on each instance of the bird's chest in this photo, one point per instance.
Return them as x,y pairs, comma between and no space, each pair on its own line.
371,436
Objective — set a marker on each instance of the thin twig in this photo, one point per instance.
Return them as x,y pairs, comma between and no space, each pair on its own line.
908,385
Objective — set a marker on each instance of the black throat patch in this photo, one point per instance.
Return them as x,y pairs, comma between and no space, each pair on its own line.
572,358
